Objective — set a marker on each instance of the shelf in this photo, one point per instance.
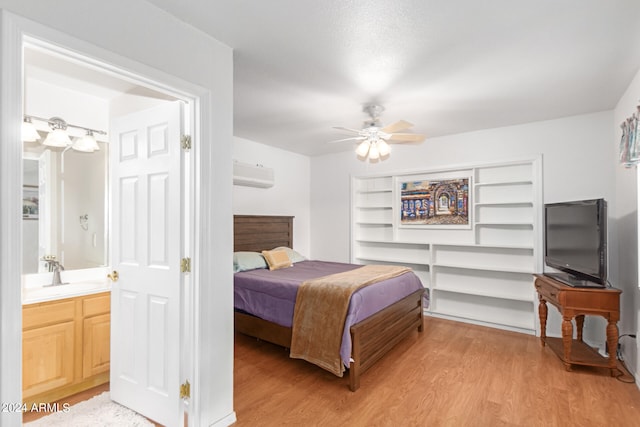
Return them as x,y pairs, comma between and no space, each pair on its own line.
374,223
479,274
497,183
487,268
392,260
528,326
392,242
581,353
514,203
483,245
381,190
481,293
505,224
374,207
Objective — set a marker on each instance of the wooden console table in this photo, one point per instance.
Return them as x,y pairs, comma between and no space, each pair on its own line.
576,303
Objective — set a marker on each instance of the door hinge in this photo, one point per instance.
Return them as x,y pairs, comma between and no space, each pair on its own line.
185,390
185,265
185,142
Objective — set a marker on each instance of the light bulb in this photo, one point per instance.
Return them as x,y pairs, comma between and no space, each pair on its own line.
363,149
86,143
29,132
374,154
383,148
57,138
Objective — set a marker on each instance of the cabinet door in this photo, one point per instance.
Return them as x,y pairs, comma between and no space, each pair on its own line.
47,358
96,345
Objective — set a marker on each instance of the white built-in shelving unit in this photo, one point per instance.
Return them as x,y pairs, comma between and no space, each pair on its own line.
480,273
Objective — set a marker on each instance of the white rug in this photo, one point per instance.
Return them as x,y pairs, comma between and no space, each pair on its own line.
99,411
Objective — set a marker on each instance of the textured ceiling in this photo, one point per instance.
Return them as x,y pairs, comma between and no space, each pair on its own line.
304,66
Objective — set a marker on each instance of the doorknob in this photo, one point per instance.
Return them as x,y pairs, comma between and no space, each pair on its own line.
113,276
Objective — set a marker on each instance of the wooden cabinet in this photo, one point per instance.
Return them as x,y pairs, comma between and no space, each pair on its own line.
96,345
65,347
479,274
575,303
47,359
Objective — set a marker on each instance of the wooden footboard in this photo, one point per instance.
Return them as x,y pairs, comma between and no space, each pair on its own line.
371,338
376,335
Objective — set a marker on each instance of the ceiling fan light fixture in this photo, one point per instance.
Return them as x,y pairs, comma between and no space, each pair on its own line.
375,136
363,148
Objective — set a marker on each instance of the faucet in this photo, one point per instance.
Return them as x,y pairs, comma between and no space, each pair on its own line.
55,266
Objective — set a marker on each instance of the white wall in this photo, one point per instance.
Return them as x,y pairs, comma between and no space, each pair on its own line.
626,239
85,183
288,196
43,99
578,163
138,36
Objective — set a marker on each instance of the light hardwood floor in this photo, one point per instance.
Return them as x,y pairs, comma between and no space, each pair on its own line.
453,374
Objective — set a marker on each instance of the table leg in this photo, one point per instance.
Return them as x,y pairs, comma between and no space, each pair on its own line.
567,338
542,314
612,344
579,325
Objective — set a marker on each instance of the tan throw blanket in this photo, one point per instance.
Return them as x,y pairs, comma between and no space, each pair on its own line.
321,310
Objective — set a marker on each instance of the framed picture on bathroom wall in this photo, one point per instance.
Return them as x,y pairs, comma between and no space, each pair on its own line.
30,202
435,203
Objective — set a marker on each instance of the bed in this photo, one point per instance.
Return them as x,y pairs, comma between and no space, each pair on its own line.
367,337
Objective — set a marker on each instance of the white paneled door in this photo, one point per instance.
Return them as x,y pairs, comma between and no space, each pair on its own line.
147,217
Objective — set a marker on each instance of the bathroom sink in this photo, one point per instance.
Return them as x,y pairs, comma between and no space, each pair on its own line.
67,290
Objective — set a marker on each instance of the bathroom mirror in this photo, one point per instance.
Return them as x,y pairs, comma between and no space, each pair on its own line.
64,209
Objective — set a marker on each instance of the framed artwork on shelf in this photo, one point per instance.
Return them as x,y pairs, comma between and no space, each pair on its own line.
30,205
435,203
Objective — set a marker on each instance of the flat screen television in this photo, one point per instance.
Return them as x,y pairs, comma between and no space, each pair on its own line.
575,242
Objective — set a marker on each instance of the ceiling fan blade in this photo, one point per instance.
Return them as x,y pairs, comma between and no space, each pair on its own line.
347,129
353,138
406,137
394,127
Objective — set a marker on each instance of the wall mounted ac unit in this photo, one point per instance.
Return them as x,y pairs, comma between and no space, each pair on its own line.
249,175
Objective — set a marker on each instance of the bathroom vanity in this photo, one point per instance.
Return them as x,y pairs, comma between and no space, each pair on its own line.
65,344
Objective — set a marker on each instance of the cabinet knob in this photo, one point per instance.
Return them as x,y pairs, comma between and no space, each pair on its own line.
113,276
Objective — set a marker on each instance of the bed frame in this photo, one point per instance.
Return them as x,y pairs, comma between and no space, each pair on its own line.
371,338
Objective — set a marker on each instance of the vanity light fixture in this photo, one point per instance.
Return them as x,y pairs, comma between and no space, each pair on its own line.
59,136
86,143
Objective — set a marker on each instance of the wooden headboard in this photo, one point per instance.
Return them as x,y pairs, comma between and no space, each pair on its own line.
257,233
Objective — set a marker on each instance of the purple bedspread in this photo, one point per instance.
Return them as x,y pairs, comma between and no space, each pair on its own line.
271,295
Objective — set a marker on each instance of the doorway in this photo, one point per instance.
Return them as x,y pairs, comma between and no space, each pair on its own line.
72,80
202,75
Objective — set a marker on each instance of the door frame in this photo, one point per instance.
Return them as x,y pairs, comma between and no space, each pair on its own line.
14,31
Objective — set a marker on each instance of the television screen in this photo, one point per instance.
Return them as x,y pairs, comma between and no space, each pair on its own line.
575,241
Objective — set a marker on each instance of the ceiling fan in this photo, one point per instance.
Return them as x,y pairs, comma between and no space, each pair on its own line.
376,138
